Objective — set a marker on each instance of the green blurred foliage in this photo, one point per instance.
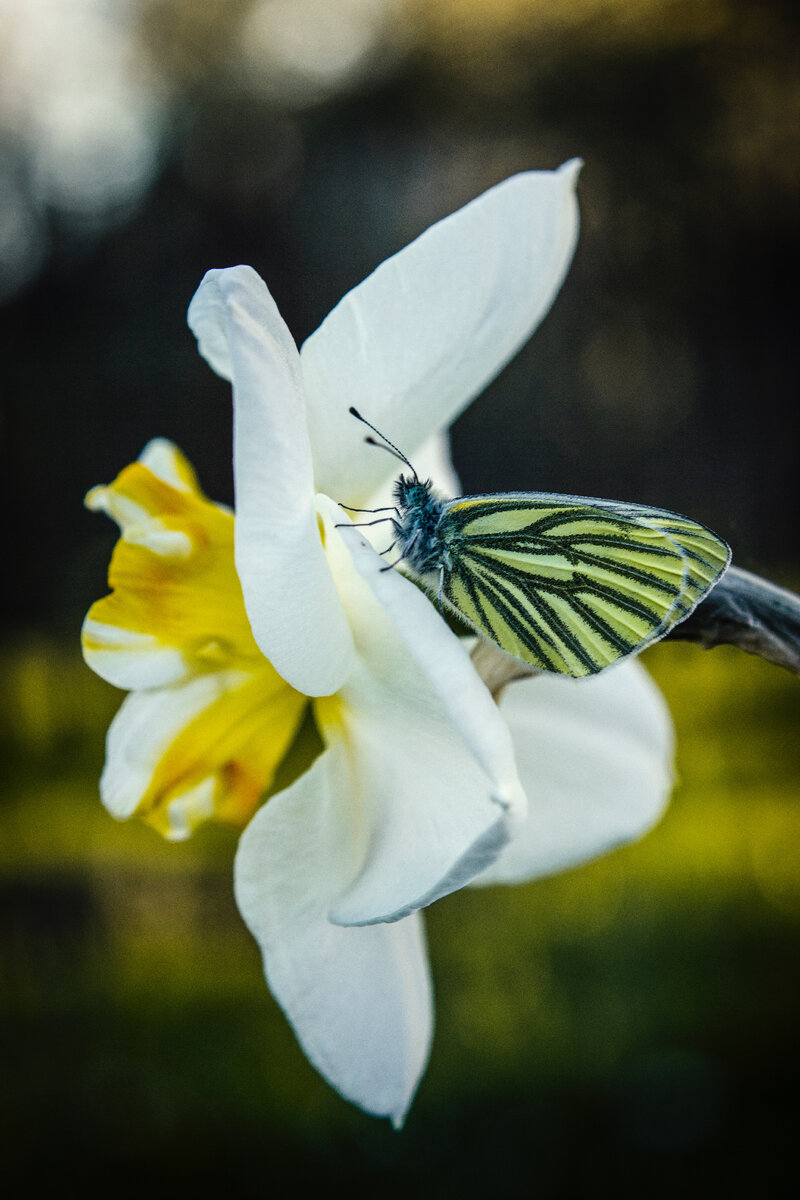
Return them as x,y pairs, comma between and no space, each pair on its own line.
632,1021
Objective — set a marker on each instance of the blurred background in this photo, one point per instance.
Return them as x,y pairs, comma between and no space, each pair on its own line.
628,1026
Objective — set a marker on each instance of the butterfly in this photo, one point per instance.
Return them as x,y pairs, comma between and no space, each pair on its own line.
568,584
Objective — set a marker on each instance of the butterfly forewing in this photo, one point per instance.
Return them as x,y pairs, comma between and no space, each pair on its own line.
571,584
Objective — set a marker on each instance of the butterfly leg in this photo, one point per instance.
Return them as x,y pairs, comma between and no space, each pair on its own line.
385,508
390,566
361,524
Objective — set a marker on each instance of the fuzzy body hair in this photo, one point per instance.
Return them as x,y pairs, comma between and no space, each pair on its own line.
416,528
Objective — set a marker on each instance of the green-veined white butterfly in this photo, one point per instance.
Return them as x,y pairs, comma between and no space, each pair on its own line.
565,583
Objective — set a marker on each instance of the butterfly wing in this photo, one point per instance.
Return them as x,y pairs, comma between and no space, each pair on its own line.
571,584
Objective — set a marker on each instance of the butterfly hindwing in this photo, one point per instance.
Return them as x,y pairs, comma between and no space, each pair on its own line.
570,584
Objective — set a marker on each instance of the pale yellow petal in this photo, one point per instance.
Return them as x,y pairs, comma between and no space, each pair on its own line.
176,606
166,461
204,749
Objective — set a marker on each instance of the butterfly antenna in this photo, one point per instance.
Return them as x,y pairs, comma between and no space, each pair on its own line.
389,450
384,443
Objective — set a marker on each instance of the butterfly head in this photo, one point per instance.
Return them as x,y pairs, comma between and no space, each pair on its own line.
418,510
411,492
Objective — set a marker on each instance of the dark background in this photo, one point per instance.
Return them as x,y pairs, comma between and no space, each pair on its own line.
631,1025
665,373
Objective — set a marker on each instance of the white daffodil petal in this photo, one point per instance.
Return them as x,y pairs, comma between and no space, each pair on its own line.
201,750
432,460
208,320
359,1000
595,757
166,543
432,768
143,729
432,326
165,460
190,809
115,504
130,659
289,595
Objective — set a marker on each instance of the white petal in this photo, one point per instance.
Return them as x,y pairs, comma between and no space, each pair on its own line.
431,760
145,726
190,809
433,461
117,505
129,659
165,460
595,758
289,595
359,999
208,320
155,536
414,343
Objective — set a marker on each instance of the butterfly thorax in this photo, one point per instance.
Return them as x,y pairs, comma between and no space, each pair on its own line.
416,527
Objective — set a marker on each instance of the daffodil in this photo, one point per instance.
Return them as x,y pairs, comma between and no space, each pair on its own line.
227,632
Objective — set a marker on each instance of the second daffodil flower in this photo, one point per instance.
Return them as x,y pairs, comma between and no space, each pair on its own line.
225,631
